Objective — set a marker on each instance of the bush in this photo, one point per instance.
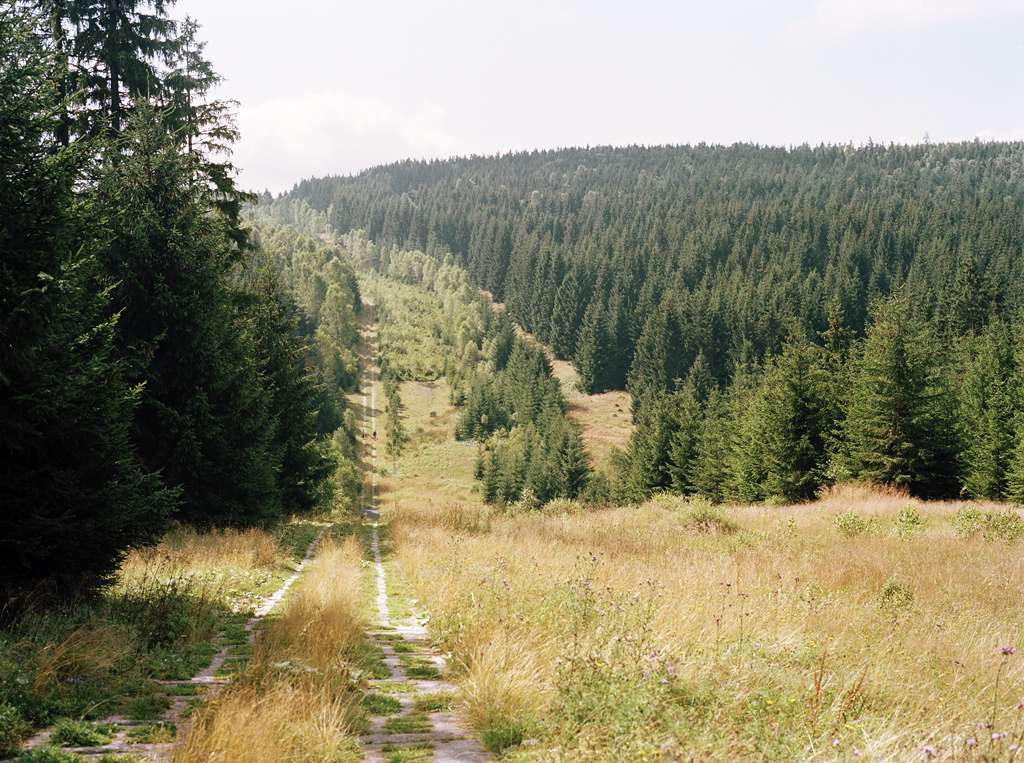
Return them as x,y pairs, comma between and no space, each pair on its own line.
702,517
968,522
852,524
13,728
70,733
1006,525
908,522
896,597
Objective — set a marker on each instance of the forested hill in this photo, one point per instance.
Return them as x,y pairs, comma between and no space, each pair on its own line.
604,252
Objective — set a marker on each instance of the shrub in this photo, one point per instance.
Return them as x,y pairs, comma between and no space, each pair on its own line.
968,522
851,524
71,733
908,522
13,729
896,597
1005,525
702,517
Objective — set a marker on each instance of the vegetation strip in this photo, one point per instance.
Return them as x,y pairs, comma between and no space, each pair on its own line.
410,724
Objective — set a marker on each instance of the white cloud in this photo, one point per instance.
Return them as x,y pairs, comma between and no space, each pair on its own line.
286,139
845,16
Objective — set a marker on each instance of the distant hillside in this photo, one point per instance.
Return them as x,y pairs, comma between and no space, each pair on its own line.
737,245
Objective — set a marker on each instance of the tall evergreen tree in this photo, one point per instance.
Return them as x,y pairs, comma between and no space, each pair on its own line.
897,430
205,418
986,412
74,492
795,423
567,316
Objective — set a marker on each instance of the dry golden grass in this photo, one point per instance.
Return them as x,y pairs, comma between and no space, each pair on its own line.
297,700
782,639
605,420
187,548
434,470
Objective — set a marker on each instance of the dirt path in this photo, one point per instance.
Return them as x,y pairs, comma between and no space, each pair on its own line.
415,719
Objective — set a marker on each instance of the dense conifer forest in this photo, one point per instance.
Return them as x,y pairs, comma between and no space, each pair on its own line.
784,318
154,366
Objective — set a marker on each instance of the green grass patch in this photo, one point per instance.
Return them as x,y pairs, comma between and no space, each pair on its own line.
72,733
408,754
381,704
153,733
438,702
419,667
501,736
49,755
413,723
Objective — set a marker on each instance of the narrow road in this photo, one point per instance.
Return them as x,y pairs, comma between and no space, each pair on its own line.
421,725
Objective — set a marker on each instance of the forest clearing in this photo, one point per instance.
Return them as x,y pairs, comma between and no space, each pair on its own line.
444,416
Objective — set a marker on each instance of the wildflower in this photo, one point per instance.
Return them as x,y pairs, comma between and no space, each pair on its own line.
929,752
972,742
835,742
1008,650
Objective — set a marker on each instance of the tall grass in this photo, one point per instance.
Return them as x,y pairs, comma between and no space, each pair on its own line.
95,657
298,700
678,630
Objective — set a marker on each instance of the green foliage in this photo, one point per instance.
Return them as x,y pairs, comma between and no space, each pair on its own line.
907,522
74,490
851,524
499,737
898,429
986,412
896,597
381,704
49,755
72,733
968,521
13,728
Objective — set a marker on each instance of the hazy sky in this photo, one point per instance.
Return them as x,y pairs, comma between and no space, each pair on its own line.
334,86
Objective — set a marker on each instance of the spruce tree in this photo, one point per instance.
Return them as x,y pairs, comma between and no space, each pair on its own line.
75,494
591,358
684,444
709,473
794,426
986,412
649,447
566,316
897,429
205,418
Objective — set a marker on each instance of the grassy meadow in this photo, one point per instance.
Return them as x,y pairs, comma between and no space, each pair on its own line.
863,625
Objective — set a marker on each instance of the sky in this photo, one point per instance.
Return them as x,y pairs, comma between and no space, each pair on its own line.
331,87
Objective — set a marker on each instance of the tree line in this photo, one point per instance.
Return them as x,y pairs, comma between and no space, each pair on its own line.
597,251
509,401
152,368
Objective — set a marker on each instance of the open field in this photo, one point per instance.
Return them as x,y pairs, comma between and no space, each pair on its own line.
605,419
866,624
744,632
